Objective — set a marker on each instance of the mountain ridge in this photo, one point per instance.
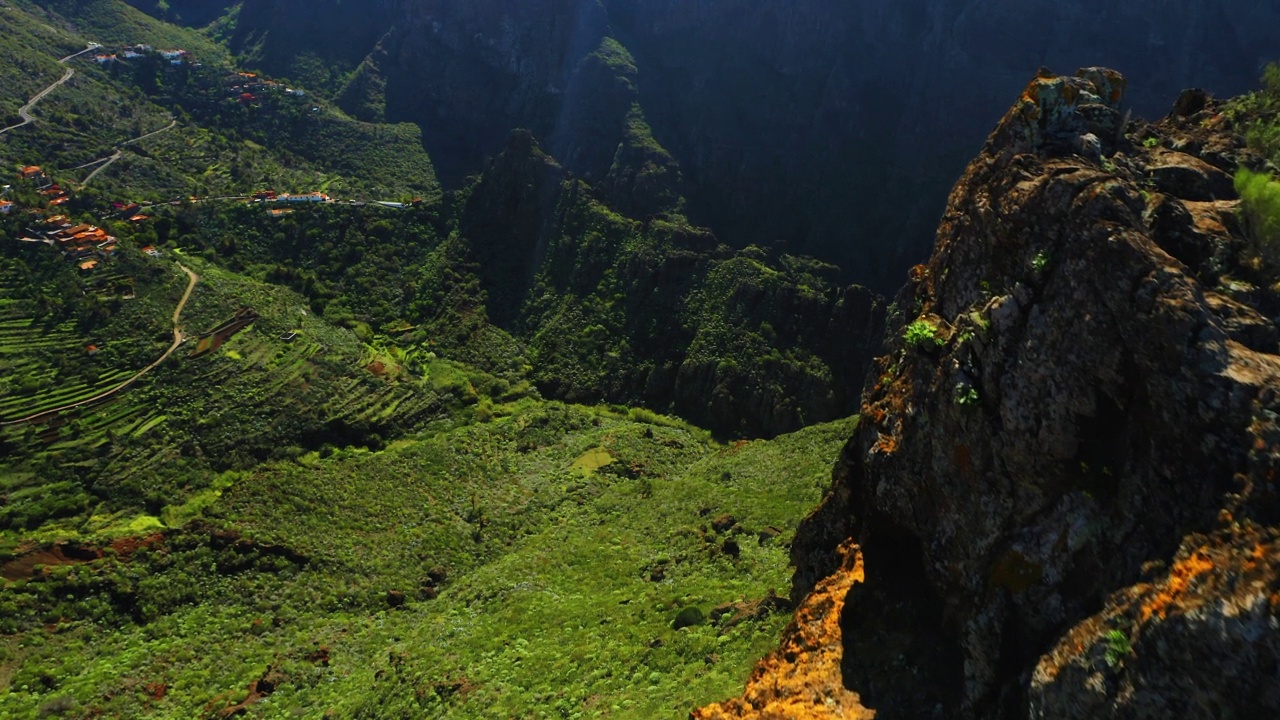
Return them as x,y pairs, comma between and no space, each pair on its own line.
785,132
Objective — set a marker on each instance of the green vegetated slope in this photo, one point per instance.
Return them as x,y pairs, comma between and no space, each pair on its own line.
372,499
256,506
221,144
596,290
531,275
29,53
111,23
289,383
539,561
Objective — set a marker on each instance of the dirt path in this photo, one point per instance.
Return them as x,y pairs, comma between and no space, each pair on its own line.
88,49
173,124
178,338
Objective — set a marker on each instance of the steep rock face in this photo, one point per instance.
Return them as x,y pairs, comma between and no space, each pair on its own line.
834,127
1084,378
658,312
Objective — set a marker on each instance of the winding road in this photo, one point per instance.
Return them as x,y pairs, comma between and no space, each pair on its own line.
110,159
25,111
178,339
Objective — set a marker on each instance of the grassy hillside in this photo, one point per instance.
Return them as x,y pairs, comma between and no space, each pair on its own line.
29,52
533,565
360,504
111,22
220,144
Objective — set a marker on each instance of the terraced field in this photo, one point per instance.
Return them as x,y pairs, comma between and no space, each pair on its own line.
30,354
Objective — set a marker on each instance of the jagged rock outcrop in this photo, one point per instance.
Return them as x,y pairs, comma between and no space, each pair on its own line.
801,680
1084,379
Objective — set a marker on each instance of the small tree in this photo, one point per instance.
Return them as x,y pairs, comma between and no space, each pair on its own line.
1260,204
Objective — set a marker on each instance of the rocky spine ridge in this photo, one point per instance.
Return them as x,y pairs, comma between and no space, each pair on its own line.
1064,483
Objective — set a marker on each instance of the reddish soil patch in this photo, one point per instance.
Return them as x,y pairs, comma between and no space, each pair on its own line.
258,689
377,367
320,656
24,566
461,687
126,547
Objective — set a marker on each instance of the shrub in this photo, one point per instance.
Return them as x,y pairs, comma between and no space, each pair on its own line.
919,333
688,617
1117,647
967,395
1260,203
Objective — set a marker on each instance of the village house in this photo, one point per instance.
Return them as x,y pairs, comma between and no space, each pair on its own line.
175,57
105,59
83,241
35,174
6,207
314,197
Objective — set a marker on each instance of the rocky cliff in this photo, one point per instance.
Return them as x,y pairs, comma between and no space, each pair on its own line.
654,311
1063,490
833,127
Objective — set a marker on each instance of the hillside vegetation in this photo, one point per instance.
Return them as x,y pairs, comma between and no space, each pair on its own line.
221,143
323,460
545,563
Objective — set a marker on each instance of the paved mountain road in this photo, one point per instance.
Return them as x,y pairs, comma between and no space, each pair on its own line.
25,111
110,159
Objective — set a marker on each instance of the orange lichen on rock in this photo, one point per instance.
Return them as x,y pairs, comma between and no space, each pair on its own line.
802,679
1181,577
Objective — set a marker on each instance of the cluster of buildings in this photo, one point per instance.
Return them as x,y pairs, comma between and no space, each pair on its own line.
88,245
131,212
271,196
248,87
52,191
136,52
